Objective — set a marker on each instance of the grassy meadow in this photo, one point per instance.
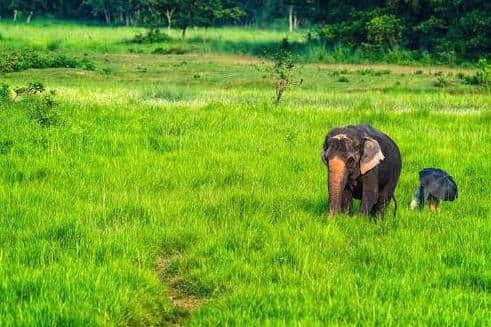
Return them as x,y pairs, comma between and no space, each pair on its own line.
168,189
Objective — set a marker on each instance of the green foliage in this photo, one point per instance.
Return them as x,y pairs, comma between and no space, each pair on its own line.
53,45
343,79
282,71
43,109
31,89
22,59
481,77
4,92
153,35
173,50
441,81
384,32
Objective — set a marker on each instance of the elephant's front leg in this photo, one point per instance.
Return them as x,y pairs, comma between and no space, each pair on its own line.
347,202
369,192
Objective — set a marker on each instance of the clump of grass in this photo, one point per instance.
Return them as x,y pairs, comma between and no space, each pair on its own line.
418,72
107,70
338,72
373,72
173,50
343,79
441,81
53,45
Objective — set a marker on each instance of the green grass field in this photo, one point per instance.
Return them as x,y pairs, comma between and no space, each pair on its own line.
170,190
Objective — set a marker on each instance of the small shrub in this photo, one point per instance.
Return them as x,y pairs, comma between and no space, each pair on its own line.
107,70
153,35
158,51
42,109
177,51
441,82
373,72
4,92
418,72
87,65
481,77
53,45
334,73
22,59
343,79
283,69
484,72
30,89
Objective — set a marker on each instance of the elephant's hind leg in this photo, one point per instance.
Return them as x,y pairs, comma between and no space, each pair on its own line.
385,195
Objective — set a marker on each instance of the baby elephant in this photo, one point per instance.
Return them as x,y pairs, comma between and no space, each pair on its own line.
435,184
363,163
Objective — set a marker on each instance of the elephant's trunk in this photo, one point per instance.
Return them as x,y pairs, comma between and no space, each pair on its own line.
336,183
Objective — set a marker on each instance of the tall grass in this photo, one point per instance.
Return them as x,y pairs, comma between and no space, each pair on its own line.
154,182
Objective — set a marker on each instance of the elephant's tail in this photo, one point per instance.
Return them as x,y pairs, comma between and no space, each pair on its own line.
395,205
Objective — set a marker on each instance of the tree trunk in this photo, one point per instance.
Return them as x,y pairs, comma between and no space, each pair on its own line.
15,15
127,18
184,33
107,16
290,17
28,20
168,15
295,21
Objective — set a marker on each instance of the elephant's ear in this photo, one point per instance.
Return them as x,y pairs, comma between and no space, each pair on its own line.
372,155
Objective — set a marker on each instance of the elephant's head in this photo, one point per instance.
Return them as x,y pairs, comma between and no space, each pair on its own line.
348,153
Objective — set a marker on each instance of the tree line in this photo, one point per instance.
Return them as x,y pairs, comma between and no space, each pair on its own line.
448,27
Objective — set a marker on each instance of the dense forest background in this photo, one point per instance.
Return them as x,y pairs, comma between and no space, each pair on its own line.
449,29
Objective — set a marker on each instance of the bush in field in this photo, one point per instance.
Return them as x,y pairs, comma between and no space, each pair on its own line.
283,69
441,81
177,51
22,59
153,35
481,77
31,89
4,92
53,45
42,108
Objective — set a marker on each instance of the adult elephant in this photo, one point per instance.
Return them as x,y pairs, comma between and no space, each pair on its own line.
363,163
